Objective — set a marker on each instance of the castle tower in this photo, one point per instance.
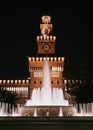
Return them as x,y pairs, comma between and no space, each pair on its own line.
46,46
46,42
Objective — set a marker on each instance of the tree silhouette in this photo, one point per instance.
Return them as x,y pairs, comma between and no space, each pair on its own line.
83,92
78,68
7,96
71,68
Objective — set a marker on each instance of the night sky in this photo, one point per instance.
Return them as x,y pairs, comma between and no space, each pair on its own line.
19,28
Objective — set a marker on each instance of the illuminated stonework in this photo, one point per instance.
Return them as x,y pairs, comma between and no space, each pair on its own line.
56,65
46,19
46,42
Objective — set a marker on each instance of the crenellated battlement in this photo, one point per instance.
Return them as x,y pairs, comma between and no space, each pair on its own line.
59,59
42,38
26,81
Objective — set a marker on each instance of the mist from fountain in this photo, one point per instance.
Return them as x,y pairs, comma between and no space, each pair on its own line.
47,96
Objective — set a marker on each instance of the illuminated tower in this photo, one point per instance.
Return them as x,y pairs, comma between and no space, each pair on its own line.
46,42
46,47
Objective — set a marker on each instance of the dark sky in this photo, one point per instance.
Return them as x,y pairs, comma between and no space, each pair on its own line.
19,27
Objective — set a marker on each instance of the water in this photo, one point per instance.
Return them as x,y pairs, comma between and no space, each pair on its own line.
84,109
47,96
35,113
6,110
60,112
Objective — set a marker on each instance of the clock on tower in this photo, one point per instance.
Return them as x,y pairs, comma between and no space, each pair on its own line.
46,47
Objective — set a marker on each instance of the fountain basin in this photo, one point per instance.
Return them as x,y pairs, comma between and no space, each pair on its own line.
47,111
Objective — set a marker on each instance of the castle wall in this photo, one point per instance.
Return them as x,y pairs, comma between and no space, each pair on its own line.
56,66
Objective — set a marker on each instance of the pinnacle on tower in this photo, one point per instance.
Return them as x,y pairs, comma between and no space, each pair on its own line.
46,19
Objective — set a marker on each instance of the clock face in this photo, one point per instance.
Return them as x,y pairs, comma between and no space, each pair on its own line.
46,47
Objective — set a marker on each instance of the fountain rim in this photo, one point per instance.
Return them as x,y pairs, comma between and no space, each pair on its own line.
49,106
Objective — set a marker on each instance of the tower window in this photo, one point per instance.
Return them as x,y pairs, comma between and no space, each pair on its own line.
40,82
34,82
51,82
46,31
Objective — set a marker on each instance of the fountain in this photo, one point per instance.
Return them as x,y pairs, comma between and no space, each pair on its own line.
47,96
46,101
7,110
